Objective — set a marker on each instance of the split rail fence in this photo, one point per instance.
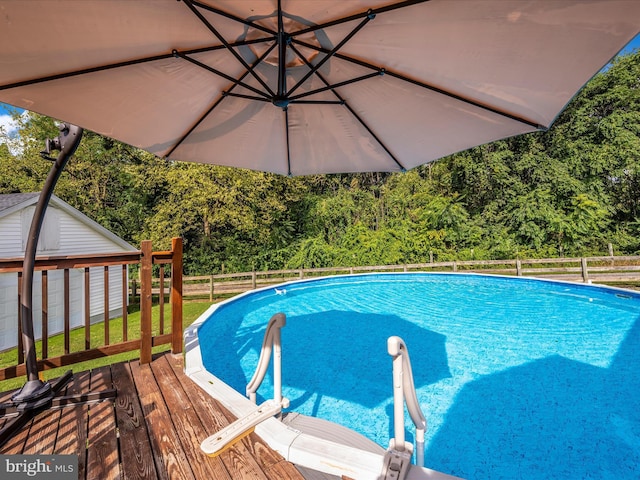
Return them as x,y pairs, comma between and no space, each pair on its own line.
612,270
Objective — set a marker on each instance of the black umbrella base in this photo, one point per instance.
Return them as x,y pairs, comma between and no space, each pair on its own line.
33,392
37,396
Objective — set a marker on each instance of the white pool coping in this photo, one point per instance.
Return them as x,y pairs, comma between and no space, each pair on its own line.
295,446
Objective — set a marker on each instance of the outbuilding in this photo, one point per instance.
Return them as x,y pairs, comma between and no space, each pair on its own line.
65,231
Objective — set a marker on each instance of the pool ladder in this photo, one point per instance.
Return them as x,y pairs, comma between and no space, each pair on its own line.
232,433
270,342
397,460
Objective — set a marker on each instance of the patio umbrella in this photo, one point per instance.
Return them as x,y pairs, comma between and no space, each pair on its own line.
305,86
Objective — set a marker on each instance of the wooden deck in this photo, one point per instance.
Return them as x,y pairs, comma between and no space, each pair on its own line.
152,429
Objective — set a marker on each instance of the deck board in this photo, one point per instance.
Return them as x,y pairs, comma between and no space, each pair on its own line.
102,444
42,436
187,422
72,429
151,430
16,444
170,459
135,446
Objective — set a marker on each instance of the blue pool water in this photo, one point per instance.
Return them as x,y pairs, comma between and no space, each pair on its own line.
518,378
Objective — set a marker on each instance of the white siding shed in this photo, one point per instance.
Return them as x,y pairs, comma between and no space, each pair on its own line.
65,231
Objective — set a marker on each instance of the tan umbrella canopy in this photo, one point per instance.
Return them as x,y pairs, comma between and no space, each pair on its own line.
295,86
306,86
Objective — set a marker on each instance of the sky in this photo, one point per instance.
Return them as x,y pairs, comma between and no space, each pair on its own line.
7,123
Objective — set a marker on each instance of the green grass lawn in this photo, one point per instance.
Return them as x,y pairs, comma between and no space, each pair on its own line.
190,312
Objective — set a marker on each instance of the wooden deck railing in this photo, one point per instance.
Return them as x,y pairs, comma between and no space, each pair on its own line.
146,258
605,269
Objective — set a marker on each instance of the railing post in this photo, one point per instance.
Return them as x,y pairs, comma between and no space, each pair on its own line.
45,314
134,290
161,297
20,342
67,311
176,295
125,303
146,264
105,295
87,309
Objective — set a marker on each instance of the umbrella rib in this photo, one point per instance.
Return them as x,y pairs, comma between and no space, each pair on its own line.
342,101
331,53
228,46
75,73
126,63
248,97
282,54
317,102
337,85
372,133
426,86
468,101
217,102
358,16
222,74
222,13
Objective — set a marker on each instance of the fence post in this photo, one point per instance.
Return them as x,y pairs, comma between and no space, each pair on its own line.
585,272
611,254
518,267
176,295
146,264
211,288
254,280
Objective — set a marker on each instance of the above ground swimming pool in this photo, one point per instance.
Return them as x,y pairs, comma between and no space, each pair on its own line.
518,378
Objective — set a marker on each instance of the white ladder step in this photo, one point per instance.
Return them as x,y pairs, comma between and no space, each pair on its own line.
225,438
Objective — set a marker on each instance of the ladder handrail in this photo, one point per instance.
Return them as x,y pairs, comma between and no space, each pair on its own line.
404,391
270,342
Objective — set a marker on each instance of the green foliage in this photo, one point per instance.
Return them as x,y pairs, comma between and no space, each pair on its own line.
567,191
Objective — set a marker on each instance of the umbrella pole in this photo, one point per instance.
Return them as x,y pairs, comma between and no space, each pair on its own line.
36,395
66,142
